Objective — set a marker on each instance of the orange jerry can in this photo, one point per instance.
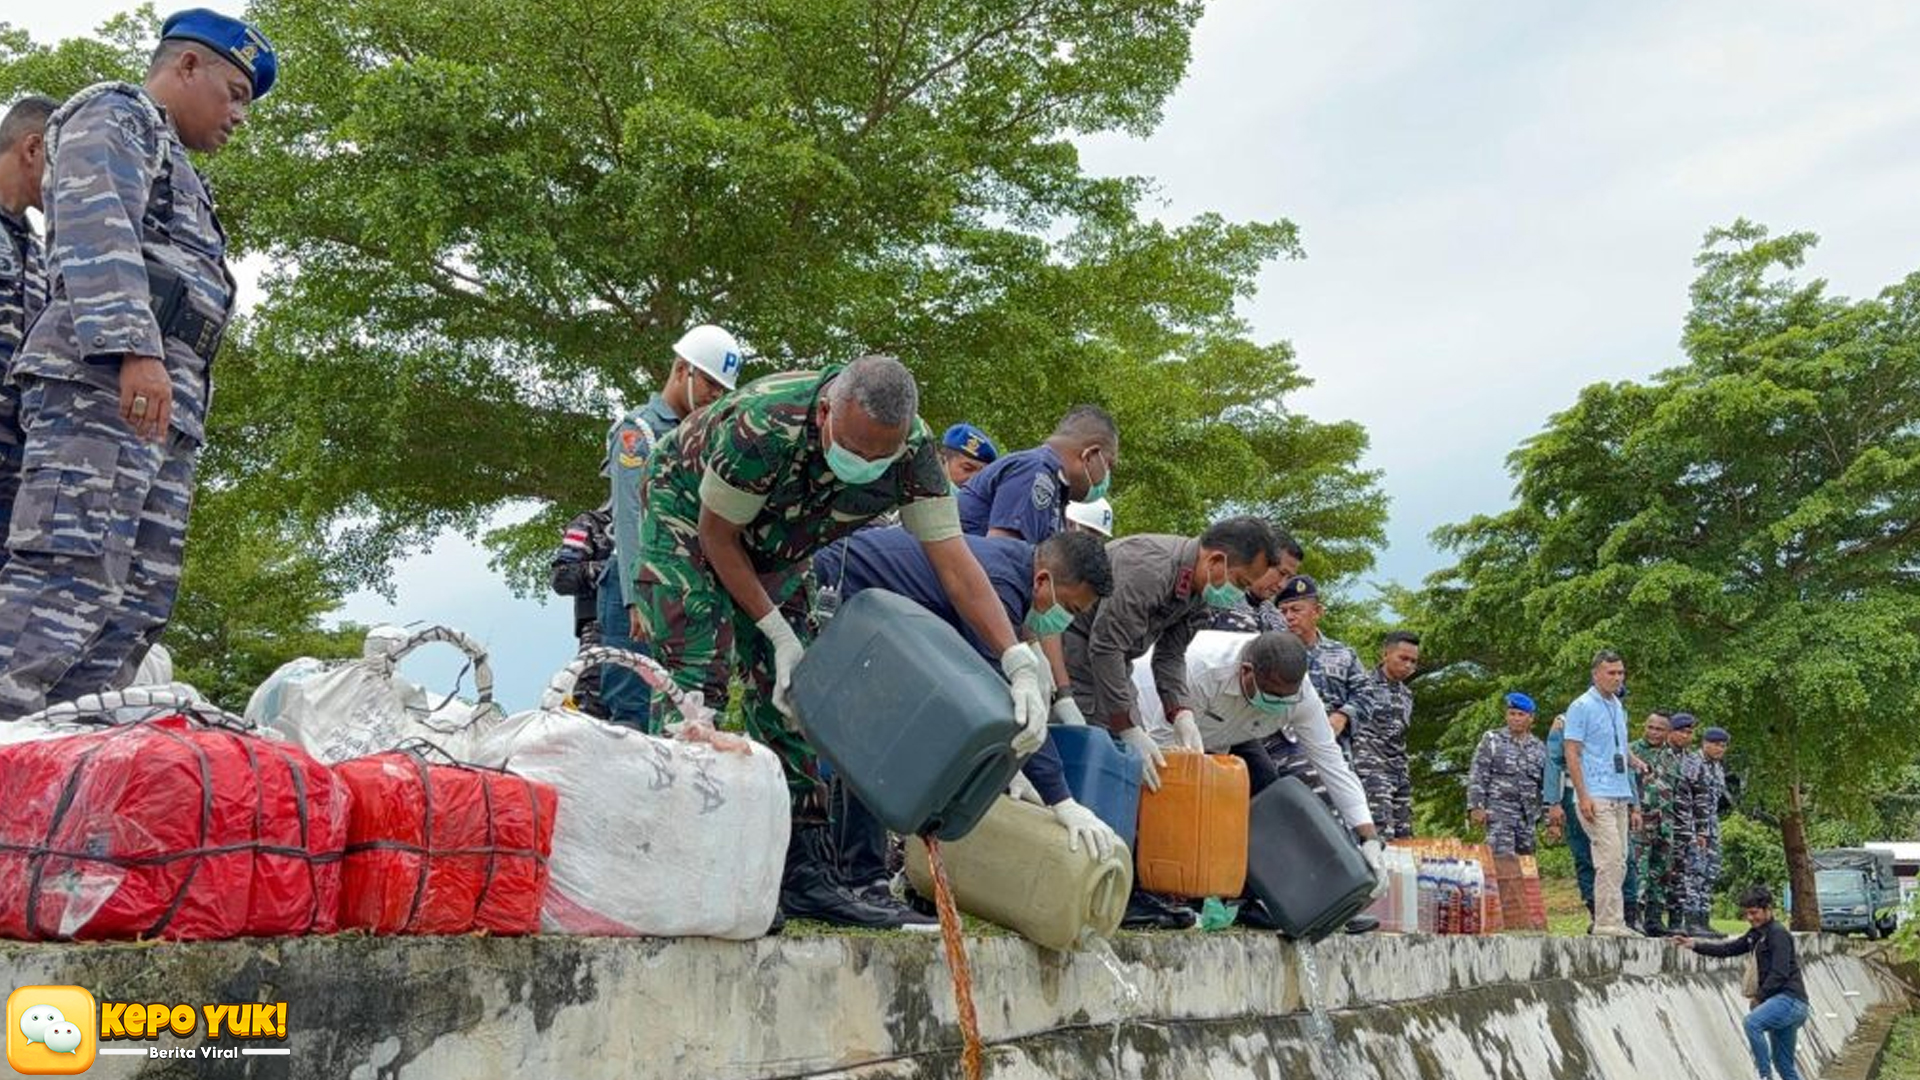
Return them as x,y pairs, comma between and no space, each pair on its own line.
1193,831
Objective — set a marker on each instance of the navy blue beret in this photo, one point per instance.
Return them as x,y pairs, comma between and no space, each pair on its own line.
1717,734
234,41
1298,587
1682,721
970,441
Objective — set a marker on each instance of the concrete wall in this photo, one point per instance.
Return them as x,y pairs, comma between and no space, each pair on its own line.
1223,1006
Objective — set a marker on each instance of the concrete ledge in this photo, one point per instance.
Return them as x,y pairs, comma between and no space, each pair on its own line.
1215,1005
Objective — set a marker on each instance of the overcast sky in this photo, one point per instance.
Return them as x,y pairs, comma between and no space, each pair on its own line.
1500,204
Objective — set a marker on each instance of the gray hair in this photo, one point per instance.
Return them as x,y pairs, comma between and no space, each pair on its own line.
1606,656
880,385
1277,654
28,116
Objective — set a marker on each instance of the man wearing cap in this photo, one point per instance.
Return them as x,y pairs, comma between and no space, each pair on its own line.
965,450
114,375
1095,517
1337,671
23,270
706,364
1025,494
738,500
1713,748
1504,782
1695,794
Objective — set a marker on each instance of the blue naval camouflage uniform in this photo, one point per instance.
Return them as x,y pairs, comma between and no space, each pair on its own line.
1505,781
100,520
626,697
1380,753
23,292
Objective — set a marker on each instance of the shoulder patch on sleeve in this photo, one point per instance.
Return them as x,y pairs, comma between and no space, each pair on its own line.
1044,491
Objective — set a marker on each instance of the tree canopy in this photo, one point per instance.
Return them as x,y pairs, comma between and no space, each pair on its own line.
1744,528
485,223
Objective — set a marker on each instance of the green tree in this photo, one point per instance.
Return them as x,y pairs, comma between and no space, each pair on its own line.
485,223
481,240
1745,528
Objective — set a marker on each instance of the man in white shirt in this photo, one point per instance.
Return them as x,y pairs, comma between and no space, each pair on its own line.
1247,688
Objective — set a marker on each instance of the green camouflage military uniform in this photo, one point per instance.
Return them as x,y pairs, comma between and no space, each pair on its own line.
756,458
1660,851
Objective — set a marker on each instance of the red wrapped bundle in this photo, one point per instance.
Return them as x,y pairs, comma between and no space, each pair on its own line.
444,849
167,828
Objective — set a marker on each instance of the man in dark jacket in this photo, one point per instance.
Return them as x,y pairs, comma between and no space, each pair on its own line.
1780,1003
586,550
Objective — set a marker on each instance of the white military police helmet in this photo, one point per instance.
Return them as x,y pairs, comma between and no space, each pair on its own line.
713,351
1096,515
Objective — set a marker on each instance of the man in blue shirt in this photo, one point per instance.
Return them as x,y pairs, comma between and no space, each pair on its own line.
1025,494
1597,764
1042,588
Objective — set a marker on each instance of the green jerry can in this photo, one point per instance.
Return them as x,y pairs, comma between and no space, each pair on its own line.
1014,870
916,722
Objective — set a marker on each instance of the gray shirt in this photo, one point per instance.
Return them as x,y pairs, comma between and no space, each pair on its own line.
1156,604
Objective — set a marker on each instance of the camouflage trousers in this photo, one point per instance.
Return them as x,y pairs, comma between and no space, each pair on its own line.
1389,788
10,448
1704,869
1660,862
697,632
1510,826
94,547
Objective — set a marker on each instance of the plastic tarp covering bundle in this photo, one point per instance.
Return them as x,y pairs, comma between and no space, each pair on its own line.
443,848
180,826
671,837
340,710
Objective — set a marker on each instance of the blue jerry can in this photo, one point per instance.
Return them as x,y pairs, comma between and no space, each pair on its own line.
1103,774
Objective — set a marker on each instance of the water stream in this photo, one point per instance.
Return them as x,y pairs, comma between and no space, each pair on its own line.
1336,1059
972,1061
1130,997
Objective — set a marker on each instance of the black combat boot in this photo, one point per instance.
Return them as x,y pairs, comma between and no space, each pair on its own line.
1655,926
811,889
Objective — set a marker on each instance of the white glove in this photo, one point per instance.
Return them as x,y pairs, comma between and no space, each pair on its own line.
1186,732
1150,754
1029,701
1376,855
1022,789
1084,828
786,656
1067,711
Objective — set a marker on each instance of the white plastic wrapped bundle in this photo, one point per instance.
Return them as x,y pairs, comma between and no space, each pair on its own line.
338,710
683,836
91,712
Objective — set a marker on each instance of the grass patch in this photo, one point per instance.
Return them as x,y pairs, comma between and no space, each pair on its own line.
1902,1058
